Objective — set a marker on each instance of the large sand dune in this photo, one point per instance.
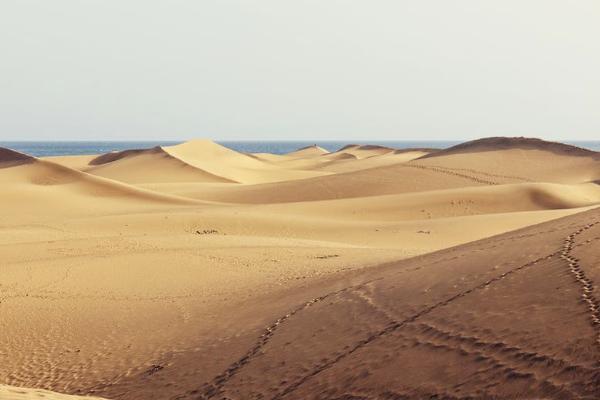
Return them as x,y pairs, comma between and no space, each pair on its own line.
194,271
517,159
33,187
152,165
232,165
514,316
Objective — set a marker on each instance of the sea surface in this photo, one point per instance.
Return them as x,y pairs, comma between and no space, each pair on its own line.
57,148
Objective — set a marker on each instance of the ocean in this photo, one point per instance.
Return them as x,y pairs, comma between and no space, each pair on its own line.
56,148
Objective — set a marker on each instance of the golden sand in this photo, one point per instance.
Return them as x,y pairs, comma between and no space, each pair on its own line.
194,271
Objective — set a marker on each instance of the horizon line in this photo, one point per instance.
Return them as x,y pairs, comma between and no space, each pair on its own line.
286,140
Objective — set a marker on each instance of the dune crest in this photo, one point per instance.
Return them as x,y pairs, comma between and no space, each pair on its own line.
515,159
507,143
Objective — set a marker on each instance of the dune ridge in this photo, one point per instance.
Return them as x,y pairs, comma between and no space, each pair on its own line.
506,143
523,159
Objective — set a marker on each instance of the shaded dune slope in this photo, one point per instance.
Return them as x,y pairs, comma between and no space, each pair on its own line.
450,202
28,182
10,158
508,143
519,323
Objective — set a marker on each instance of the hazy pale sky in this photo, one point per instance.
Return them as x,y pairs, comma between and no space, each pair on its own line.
299,69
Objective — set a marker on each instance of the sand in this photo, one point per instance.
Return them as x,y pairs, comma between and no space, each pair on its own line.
194,271
18,393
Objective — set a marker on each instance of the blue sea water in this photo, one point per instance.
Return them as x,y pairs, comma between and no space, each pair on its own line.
56,148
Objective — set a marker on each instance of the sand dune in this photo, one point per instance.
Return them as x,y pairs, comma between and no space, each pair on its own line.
146,166
366,150
388,175
482,306
352,163
517,159
30,185
390,179
495,144
451,202
349,158
194,271
238,167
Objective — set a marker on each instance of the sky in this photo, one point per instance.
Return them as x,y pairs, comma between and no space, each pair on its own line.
299,69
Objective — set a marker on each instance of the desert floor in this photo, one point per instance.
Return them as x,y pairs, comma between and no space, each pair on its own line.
197,272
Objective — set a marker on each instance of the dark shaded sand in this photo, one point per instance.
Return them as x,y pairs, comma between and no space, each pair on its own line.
513,316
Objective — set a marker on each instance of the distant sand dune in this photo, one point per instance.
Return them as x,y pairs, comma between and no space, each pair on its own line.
31,183
365,150
147,166
221,161
453,202
388,179
521,158
511,143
